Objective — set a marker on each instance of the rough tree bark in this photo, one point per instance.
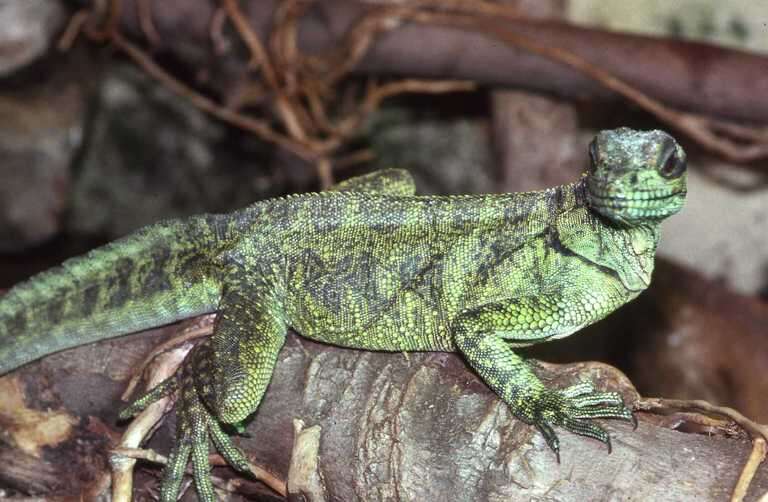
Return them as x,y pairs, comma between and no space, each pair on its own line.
377,426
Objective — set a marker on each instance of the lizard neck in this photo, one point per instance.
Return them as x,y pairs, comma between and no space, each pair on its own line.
628,251
632,252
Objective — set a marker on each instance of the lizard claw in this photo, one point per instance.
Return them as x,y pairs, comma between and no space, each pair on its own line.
550,437
573,408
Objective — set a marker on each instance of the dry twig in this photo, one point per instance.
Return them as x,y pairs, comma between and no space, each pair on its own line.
260,472
144,8
202,327
122,467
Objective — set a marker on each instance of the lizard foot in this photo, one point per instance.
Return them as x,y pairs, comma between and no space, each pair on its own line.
195,424
573,407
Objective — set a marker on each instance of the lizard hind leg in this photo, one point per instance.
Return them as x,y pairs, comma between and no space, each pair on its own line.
229,377
222,380
244,347
196,423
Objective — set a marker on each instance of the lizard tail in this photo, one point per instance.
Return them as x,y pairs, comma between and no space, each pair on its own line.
157,275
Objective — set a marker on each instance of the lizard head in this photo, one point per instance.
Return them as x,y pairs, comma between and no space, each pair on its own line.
636,177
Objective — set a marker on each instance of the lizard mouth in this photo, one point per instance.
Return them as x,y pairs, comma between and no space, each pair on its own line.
638,205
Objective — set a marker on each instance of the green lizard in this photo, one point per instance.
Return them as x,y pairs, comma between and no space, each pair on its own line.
369,265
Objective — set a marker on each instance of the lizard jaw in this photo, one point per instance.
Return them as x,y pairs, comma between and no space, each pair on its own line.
641,206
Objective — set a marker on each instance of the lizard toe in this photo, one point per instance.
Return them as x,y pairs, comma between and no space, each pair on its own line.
588,429
193,426
573,408
226,447
173,473
164,388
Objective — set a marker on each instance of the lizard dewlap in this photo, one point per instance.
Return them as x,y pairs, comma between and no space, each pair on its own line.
370,265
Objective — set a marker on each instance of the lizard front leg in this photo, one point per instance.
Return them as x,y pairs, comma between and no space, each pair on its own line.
483,336
221,381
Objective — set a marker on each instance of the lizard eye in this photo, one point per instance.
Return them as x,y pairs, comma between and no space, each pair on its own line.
594,156
673,165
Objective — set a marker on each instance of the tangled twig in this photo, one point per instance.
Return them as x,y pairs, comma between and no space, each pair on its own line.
302,87
734,142
300,99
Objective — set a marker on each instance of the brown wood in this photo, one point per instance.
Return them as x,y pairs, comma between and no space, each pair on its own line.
417,427
688,75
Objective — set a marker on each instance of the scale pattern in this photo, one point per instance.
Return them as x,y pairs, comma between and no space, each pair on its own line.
370,265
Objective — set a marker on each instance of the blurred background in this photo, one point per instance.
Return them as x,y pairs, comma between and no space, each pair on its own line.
116,116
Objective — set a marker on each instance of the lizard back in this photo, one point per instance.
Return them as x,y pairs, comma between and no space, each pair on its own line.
374,266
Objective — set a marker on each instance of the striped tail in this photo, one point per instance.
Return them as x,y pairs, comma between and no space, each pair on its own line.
157,275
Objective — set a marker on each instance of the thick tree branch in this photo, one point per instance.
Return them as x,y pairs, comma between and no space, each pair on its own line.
423,427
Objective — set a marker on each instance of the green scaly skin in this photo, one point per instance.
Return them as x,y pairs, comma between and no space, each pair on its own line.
370,265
